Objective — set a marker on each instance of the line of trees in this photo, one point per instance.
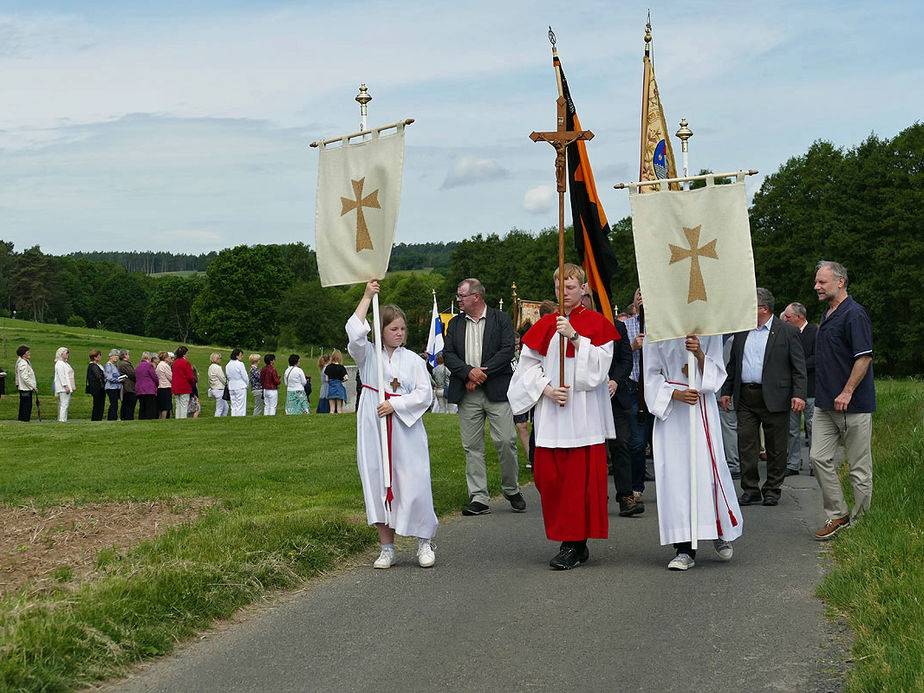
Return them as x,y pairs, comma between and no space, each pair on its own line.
863,207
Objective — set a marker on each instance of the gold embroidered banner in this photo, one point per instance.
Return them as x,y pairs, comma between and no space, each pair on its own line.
695,263
359,190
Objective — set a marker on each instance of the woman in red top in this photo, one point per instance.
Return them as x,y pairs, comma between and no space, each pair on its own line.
269,378
183,380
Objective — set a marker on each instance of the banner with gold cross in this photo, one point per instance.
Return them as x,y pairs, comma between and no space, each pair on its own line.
694,257
359,189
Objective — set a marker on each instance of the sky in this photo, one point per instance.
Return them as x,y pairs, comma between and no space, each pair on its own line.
185,126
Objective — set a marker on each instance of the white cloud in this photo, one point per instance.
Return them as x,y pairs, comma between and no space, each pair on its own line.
539,200
469,171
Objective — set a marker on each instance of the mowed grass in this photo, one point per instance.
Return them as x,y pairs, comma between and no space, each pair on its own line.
290,507
877,578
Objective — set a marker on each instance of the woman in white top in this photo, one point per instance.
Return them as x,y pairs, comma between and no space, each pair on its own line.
64,382
295,380
238,382
25,381
217,382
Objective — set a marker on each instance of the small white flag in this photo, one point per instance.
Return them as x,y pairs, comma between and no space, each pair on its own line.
435,339
695,263
359,190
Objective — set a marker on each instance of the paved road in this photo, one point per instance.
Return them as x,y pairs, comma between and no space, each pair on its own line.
491,614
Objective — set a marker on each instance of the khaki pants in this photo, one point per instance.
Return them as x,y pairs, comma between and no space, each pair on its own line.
473,410
828,429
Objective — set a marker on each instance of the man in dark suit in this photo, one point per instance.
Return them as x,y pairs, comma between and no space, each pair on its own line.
478,351
766,378
795,314
621,400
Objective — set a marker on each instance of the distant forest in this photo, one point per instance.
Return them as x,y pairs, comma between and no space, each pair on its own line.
404,256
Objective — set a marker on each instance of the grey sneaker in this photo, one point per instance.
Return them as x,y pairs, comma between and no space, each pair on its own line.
682,561
724,549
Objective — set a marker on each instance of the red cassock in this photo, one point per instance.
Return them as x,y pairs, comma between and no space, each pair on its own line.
570,459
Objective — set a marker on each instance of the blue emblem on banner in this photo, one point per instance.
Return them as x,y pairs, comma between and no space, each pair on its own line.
660,160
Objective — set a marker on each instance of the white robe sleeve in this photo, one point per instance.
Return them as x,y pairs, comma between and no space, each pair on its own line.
713,375
359,347
658,392
528,381
411,406
592,365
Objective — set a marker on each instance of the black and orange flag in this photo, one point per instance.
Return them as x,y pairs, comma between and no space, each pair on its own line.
591,230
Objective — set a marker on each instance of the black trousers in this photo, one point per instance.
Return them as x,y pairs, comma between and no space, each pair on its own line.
129,399
618,449
25,405
99,401
147,407
113,396
752,414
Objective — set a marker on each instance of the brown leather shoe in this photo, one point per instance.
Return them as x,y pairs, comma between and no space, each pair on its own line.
831,528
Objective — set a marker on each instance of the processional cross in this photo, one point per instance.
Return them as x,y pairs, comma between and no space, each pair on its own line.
560,139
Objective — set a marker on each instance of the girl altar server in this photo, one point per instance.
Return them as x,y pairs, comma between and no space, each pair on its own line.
407,507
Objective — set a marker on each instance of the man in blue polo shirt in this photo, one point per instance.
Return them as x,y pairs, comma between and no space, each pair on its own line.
845,398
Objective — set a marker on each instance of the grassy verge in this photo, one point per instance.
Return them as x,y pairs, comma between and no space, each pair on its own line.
291,507
877,580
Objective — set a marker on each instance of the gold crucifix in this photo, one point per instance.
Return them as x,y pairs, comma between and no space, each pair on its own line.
697,290
560,139
363,241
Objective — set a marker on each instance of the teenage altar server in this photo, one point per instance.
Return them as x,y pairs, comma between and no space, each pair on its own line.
571,423
405,508
670,393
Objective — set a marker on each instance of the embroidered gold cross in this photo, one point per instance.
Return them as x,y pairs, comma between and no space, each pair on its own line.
394,385
363,241
697,290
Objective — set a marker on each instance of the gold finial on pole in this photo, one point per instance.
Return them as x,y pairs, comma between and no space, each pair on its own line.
685,133
363,97
648,34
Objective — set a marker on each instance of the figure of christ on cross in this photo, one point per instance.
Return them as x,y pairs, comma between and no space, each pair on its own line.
560,139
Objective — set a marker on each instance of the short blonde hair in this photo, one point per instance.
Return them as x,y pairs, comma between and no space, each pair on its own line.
572,271
215,357
254,358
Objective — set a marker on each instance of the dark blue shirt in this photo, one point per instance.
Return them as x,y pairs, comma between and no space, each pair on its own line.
843,337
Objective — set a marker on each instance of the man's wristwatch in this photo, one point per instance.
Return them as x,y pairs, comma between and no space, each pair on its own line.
575,337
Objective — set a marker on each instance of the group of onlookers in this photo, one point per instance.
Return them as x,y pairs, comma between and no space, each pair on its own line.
165,383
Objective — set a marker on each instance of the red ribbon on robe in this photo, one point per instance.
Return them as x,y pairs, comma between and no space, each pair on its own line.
389,494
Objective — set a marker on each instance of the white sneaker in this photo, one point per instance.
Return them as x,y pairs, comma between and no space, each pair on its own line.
425,556
681,561
724,549
386,559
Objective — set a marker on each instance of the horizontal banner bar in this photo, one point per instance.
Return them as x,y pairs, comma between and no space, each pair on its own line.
347,138
668,181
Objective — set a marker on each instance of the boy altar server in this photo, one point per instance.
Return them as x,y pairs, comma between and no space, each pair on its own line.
571,423
670,393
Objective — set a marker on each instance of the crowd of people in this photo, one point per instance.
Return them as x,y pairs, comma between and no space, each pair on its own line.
616,396
165,384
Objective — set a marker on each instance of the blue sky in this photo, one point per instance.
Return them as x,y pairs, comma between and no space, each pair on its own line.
184,126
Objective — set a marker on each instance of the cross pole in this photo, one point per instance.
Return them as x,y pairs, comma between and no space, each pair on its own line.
560,139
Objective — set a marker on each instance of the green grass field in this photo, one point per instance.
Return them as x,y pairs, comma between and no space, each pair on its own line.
876,578
290,507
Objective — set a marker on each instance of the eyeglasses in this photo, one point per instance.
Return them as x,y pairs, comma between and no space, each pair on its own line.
459,297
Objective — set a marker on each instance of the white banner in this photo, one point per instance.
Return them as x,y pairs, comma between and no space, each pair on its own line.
695,263
359,190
